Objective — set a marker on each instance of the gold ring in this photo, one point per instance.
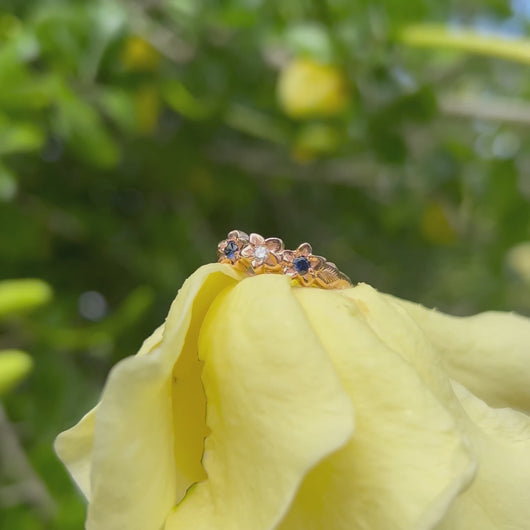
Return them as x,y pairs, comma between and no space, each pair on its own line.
253,254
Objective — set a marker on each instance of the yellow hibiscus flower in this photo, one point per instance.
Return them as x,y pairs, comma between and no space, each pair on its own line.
307,88
261,406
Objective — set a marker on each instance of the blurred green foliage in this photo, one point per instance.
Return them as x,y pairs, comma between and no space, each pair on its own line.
134,135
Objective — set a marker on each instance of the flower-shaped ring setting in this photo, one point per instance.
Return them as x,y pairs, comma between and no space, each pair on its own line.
229,250
302,265
263,255
255,254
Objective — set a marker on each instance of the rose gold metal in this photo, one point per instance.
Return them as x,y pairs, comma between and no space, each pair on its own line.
304,249
330,277
257,255
256,239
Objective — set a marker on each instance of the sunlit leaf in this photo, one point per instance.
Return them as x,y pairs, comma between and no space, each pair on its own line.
466,40
14,366
19,296
8,184
19,137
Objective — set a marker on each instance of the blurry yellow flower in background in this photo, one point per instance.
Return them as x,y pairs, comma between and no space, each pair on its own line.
147,104
307,88
138,55
299,409
518,260
435,225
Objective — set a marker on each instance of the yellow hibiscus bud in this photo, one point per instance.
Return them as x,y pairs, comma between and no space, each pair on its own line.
20,296
14,366
307,88
138,55
147,104
261,406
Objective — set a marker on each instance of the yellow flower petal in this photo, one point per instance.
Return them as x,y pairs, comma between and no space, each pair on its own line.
498,438
131,444
499,498
488,353
74,446
133,479
401,333
275,408
407,460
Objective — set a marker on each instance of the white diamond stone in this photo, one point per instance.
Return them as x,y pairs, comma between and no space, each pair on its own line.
261,253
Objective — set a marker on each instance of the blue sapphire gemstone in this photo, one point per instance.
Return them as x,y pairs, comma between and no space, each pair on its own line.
230,249
301,265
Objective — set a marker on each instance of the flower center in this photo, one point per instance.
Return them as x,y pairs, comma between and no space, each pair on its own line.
230,249
301,265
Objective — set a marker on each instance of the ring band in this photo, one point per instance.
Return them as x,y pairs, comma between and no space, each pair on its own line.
253,254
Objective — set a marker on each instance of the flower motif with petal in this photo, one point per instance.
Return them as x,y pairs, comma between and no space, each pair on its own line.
229,250
264,255
301,264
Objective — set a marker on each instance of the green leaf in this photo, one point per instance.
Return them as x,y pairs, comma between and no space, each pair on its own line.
118,105
131,310
83,130
180,99
22,89
255,123
318,139
19,137
8,184
310,39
